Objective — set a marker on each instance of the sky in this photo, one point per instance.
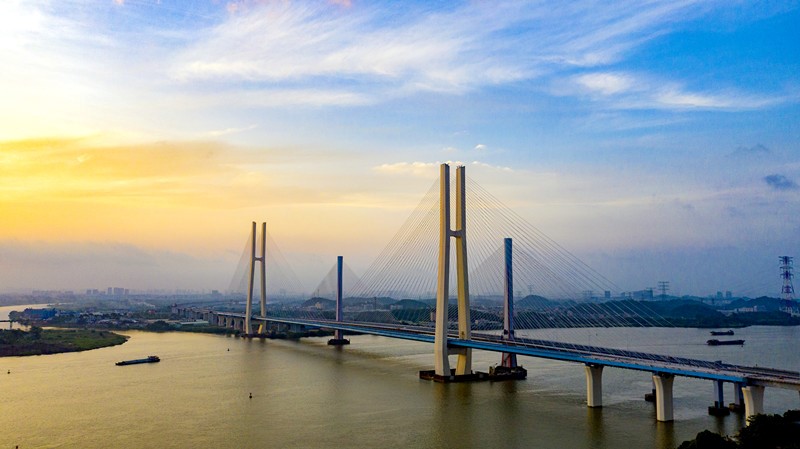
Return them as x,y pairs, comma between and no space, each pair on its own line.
655,140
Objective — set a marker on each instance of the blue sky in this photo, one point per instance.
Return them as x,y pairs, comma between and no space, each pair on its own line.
637,134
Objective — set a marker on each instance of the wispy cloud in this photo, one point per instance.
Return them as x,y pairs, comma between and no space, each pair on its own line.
454,50
227,131
605,83
424,169
207,174
265,55
490,166
430,169
622,90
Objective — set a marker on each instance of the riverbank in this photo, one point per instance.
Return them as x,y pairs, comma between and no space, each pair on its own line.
39,341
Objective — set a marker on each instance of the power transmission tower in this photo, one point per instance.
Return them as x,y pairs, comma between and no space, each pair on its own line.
664,287
787,290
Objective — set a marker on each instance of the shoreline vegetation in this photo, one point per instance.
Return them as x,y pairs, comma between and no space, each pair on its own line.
38,341
762,432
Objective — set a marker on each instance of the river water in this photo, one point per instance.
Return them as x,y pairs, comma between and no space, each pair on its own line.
306,394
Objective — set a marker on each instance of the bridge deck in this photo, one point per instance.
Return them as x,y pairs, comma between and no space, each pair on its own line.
634,360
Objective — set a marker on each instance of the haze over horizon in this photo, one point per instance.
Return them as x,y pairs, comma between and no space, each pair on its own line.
139,139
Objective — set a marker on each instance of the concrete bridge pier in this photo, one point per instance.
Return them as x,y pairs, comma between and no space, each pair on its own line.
663,383
718,409
594,385
753,400
737,406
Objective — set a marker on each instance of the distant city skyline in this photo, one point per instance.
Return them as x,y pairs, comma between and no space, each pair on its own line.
139,138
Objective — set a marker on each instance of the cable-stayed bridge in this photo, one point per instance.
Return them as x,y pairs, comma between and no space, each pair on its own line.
406,294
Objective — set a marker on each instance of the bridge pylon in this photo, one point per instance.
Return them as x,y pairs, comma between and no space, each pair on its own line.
508,369
442,371
338,335
248,327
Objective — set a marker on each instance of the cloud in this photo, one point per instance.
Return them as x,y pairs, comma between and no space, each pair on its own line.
480,147
490,166
780,182
624,90
276,54
429,169
227,131
605,83
452,50
275,98
179,174
423,169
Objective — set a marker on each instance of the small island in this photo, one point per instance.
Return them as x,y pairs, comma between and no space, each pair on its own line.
38,341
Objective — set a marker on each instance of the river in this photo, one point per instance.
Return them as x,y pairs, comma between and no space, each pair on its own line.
306,394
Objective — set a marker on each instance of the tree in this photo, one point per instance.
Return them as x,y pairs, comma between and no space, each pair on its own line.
36,332
769,431
708,440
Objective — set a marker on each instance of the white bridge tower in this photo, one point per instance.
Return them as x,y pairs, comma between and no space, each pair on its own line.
441,350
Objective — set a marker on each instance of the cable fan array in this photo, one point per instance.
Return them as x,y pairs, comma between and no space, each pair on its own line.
399,287
282,282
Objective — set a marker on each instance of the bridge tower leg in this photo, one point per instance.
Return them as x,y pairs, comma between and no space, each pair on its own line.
594,385
753,400
663,396
263,298
441,351
248,328
464,363
338,336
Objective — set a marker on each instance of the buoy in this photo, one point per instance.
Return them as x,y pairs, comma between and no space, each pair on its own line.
251,395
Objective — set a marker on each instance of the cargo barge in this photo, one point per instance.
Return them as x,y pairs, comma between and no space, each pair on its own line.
715,342
149,359
727,332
